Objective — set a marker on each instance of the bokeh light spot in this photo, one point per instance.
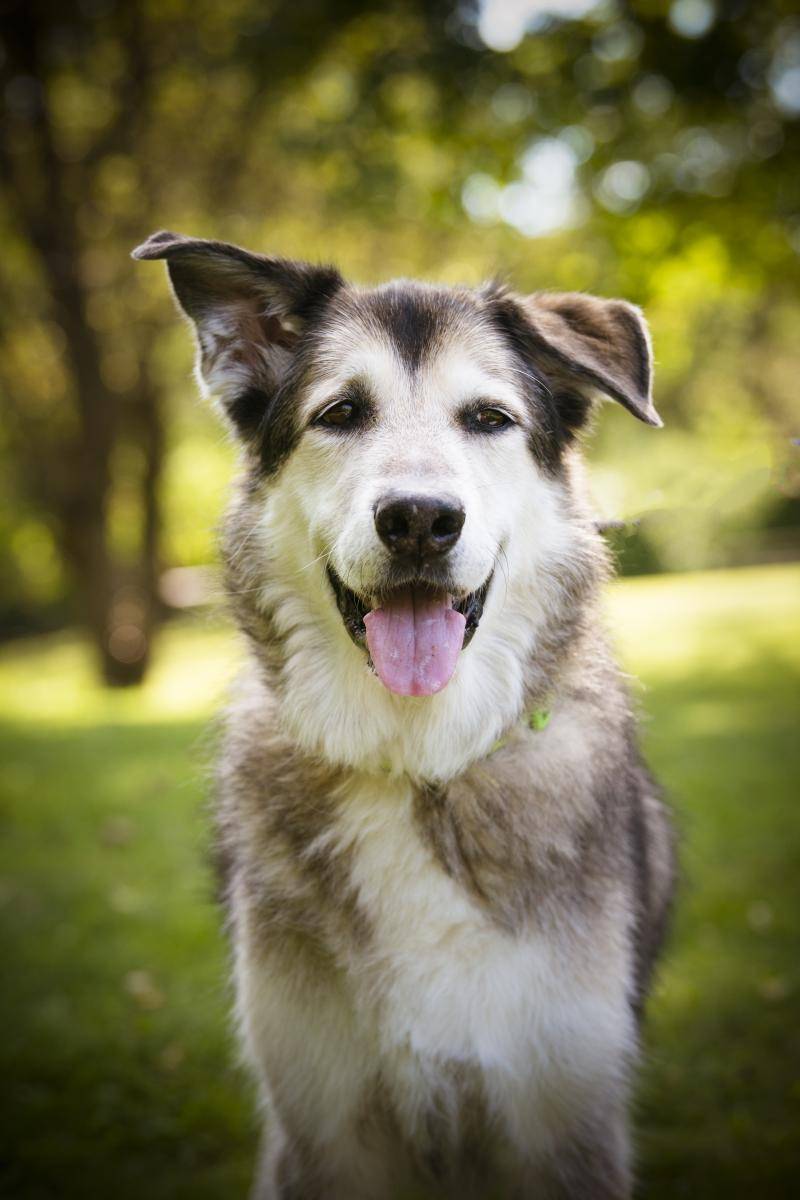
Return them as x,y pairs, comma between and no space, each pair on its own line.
692,18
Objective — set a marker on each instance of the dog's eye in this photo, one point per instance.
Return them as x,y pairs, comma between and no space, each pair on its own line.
339,415
488,419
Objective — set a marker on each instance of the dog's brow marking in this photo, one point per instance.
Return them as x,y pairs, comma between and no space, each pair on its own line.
370,363
465,377
412,317
529,377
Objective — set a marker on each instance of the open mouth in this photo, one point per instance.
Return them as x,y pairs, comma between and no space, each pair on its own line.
414,633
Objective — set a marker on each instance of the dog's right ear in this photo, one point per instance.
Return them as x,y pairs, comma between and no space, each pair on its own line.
248,312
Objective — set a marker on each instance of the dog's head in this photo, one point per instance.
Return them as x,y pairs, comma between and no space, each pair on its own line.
420,435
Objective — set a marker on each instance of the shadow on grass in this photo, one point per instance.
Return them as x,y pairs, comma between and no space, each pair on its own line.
719,1110
119,1076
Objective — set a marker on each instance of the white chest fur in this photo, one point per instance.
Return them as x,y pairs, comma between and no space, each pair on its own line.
439,985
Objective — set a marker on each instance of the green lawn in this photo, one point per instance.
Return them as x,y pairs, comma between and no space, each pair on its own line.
117,1060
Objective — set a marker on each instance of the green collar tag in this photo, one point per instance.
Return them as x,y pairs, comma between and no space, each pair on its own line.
539,718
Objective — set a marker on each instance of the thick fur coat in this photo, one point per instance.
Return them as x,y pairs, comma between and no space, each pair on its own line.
444,906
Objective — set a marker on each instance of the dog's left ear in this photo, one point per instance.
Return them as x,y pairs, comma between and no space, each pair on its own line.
248,311
584,346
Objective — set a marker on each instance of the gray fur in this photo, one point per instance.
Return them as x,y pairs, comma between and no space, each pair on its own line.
557,837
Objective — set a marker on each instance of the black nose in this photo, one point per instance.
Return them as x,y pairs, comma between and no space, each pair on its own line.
419,526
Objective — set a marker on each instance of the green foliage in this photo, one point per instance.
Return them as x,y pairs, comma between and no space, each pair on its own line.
640,149
119,1076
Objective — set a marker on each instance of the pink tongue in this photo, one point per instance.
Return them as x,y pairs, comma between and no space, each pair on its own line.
414,641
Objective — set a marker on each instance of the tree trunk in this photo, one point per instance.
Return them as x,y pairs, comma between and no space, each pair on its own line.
118,599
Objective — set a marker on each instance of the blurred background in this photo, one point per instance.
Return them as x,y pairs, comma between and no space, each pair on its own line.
646,149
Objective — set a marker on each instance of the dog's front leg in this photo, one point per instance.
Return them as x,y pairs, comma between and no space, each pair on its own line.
316,1068
594,1164
290,1168
286,1170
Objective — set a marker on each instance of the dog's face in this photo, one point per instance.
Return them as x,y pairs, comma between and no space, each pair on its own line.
415,467
418,435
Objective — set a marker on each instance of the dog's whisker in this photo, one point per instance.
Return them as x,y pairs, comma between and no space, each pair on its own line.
504,567
239,549
326,554
530,379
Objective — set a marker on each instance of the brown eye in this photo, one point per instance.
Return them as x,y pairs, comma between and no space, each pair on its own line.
353,410
338,416
488,420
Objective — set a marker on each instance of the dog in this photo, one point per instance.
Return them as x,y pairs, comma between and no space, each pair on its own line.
447,870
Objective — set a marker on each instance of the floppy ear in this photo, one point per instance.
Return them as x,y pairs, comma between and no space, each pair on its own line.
248,311
585,346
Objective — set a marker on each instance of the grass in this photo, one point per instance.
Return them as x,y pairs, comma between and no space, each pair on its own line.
118,1063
